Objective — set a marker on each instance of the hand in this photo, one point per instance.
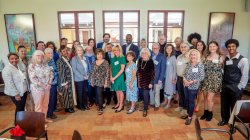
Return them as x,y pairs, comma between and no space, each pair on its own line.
112,79
174,81
195,81
130,86
48,87
150,86
18,97
186,83
60,93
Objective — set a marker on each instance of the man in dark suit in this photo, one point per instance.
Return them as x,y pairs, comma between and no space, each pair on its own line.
106,39
129,46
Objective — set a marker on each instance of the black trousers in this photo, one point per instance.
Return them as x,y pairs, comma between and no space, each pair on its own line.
180,88
99,96
145,98
82,91
20,105
229,95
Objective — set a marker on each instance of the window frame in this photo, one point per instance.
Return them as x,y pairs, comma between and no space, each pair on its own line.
77,28
165,24
121,23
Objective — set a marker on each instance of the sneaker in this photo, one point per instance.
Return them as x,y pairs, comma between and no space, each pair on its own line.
178,109
131,111
100,112
167,107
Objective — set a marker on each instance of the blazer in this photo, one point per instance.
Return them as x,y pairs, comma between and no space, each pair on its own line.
80,73
99,45
15,82
160,67
107,57
133,48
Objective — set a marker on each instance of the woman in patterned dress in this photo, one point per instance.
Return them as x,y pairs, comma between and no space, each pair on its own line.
213,79
100,77
131,81
66,81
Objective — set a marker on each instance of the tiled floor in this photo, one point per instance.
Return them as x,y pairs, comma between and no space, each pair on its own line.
158,125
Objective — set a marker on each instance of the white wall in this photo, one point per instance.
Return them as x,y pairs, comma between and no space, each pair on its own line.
196,16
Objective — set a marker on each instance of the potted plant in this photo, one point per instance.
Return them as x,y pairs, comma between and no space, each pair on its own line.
17,133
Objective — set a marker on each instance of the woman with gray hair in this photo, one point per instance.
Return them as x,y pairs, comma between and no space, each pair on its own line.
40,75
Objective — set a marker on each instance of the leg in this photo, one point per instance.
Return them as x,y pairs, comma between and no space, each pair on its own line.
90,95
121,98
152,97
79,91
99,97
181,92
114,97
199,100
146,99
118,99
186,101
191,102
225,108
46,102
210,100
85,92
20,105
157,89
52,100
108,95
38,100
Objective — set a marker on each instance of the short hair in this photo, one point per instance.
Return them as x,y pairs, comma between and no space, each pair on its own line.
117,47
48,50
131,53
105,47
216,43
78,47
33,58
197,53
145,50
105,35
20,47
10,54
39,43
143,39
178,38
129,35
99,51
64,38
186,44
204,46
232,41
192,36
62,47
156,44
51,43
173,50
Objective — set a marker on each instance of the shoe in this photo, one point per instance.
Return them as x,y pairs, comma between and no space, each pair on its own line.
104,106
116,111
115,107
178,109
222,123
167,107
87,108
91,104
53,116
188,121
57,110
184,117
131,111
163,104
209,116
48,121
82,109
204,116
145,113
71,110
156,108
141,108
100,112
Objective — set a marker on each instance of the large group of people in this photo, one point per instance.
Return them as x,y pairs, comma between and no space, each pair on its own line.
83,76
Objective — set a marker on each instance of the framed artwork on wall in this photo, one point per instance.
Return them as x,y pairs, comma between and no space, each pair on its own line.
20,30
220,29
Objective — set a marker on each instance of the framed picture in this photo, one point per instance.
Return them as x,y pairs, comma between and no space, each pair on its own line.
221,26
20,30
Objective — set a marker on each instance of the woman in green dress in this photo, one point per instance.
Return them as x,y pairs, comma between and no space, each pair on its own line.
118,63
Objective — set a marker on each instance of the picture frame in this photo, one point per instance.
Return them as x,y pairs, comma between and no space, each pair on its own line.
221,26
20,30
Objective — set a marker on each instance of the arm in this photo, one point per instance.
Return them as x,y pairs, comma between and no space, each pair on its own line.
133,76
9,82
120,72
163,70
33,78
74,64
174,70
107,75
60,69
244,68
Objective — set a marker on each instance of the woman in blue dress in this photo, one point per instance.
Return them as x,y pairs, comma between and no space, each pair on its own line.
131,81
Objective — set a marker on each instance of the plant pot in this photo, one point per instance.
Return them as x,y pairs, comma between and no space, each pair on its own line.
18,137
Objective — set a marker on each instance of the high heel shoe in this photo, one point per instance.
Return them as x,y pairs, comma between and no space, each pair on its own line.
115,107
116,111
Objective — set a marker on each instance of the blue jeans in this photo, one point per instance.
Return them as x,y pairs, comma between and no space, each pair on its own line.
52,100
81,90
190,100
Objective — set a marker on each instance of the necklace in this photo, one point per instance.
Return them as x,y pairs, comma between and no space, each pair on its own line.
142,67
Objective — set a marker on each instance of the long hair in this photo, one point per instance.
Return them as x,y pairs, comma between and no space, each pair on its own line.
173,50
215,43
119,48
198,55
34,59
51,43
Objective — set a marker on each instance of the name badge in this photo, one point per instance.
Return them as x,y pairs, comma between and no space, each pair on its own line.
215,61
194,69
179,63
156,62
168,63
51,67
84,58
229,62
116,62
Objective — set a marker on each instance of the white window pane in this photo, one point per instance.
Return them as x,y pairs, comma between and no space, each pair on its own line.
111,19
150,45
69,34
173,33
114,33
156,19
175,19
86,20
132,31
85,34
130,19
154,33
67,20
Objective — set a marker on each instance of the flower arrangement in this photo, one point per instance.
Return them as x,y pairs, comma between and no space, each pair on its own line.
17,133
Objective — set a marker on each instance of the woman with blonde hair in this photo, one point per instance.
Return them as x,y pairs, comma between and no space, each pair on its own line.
41,77
118,63
192,77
